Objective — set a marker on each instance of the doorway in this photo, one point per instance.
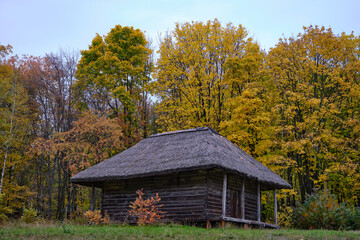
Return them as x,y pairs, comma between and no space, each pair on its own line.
235,204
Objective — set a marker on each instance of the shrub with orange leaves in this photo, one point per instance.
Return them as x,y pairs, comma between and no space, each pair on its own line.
106,219
147,211
95,218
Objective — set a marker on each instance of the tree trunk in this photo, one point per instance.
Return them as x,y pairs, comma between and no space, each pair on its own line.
10,135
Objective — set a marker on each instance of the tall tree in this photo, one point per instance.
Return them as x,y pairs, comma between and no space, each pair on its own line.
317,80
6,73
91,140
113,73
15,126
190,73
48,82
249,101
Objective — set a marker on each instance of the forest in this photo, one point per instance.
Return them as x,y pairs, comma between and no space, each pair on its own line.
294,107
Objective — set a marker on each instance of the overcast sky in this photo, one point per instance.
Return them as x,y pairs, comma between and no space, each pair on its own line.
42,26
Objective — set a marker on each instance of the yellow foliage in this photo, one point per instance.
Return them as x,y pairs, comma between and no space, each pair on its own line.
285,216
191,73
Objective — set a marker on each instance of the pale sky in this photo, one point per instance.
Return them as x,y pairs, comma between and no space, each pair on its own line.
37,27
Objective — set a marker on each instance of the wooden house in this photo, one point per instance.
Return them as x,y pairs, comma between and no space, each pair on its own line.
199,175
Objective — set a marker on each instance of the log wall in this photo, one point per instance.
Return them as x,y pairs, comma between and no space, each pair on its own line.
251,200
183,196
213,209
186,197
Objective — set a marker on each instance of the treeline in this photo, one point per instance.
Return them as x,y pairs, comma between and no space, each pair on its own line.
296,108
61,114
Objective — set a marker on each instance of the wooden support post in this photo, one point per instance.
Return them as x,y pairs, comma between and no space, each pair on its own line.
243,199
92,202
208,224
275,208
259,202
224,195
102,200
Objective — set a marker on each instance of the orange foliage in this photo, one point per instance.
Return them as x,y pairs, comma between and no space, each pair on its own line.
91,140
94,217
146,210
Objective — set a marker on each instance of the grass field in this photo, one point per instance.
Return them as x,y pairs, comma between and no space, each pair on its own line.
67,231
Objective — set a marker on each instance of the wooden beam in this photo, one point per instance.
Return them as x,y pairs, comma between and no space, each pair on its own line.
259,202
262,224
92,202
243,199
224,195
275,208
208,224
102,199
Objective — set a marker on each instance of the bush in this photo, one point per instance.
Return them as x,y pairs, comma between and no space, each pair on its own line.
147,211
4,210
353,220
321,211
29,215
106,219
77,217
94,217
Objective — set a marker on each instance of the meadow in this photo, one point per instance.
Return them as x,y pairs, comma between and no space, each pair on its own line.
71,231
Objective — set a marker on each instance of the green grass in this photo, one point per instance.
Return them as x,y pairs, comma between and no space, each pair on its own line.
67,231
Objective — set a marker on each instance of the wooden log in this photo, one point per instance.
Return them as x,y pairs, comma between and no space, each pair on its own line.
261,224
208,224
92,202
275,207
102,201
243,199
224,195
259,203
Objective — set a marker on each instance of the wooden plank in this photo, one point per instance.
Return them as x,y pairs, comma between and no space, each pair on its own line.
275,207
243,200
262,224
92,202
161,192
259,203
102,200
224,195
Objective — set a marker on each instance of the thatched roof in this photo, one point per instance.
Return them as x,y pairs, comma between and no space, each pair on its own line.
192,149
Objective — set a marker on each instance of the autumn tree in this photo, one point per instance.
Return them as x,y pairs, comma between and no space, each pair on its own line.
190,73
15,129
249,101
6,73
295,108
317,80
91,140
48,80
113,74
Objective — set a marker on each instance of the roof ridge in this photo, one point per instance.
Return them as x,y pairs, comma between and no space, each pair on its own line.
198,129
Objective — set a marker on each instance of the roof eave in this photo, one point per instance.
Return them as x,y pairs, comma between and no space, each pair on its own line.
89,181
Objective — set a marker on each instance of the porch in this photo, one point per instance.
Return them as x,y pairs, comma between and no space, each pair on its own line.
237,206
